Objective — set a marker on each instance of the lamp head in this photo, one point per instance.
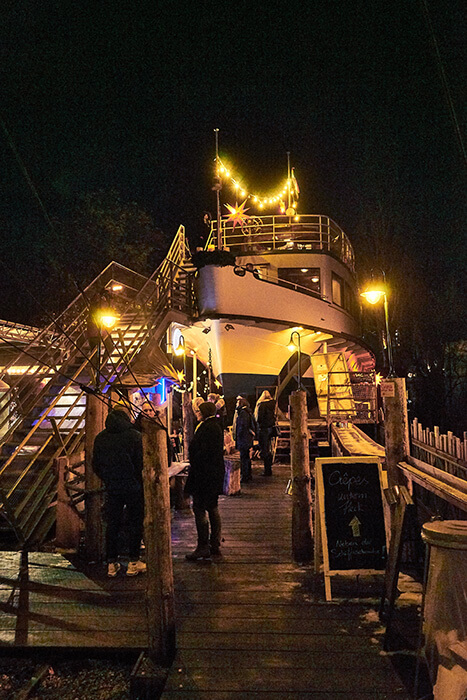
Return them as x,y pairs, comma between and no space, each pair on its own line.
180,349
294,344
373,296
106,317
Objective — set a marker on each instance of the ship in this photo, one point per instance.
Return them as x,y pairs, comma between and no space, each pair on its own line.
278,309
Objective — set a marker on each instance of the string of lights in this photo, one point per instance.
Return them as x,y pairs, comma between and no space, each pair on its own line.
286,196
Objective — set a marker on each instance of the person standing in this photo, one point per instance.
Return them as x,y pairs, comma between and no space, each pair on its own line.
244,430
118,460
205,481
265,415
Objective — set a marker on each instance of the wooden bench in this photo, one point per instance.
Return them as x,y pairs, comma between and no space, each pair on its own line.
178,472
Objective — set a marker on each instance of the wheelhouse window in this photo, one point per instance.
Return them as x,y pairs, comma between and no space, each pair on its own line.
337,290
307,277
350,301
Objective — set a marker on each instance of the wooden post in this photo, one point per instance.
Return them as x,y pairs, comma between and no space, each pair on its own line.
436,442
195,375
96,412
188,423
157,539
302,525
396,431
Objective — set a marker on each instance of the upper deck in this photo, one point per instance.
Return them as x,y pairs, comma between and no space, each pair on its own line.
310,232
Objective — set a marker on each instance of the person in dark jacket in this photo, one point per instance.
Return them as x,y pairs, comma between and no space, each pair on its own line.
244,430
118,460
265,415
205,481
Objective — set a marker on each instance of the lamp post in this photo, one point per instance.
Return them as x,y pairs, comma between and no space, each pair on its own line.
180,351
217,188
187,412
105,318
373,294
294,345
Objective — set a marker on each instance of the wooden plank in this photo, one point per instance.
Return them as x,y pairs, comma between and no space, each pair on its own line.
281,695
214,659
249,679
254,641
275,610
289,626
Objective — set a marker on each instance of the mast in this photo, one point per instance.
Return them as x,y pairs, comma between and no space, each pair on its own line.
218,187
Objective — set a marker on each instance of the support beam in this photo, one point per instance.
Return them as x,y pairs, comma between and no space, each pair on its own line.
96,413
302,524
160,585
396,429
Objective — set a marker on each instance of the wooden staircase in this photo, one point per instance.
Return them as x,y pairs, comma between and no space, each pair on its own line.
318,438
43,412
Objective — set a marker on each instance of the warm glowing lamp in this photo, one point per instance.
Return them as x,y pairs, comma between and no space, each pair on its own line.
106,317
180,349
295,346
373,294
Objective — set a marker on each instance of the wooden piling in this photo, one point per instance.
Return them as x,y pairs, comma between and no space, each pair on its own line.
157,539
396,431
302,525
96,413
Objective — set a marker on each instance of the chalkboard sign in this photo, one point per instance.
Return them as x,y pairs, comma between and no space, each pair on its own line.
350,516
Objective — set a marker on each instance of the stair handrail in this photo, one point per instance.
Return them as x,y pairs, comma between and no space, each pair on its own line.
161,287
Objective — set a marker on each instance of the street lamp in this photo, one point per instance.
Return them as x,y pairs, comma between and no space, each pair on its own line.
101,321
180,351
373,294
294,346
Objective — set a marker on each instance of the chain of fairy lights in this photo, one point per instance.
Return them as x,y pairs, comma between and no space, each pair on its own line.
278,197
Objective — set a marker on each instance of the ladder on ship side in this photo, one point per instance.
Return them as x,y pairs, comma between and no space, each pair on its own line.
42,414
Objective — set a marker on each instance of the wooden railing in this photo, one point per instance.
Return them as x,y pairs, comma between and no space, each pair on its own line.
43,414
446,452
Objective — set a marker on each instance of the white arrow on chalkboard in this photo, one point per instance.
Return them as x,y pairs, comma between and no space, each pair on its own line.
355,525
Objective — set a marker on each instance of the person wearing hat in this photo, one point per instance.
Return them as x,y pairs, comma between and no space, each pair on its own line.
244,432
265,416
205,481
118,460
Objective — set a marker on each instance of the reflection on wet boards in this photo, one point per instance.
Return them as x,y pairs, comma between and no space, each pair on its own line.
351,535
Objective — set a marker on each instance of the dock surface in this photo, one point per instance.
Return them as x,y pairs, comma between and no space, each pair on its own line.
51,600
253,624
250,624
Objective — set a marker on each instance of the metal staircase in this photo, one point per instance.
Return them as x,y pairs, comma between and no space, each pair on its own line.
42,413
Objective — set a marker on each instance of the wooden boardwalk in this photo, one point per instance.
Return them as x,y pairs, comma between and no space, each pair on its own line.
251,624
255,625
48,600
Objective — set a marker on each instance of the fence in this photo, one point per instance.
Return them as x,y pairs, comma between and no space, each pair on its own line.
446,452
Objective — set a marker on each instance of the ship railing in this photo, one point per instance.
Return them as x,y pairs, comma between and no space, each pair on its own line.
259,234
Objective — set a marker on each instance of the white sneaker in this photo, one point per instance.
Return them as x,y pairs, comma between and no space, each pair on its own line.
136,567
113,568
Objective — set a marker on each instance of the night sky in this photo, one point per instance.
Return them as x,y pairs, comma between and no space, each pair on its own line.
125,95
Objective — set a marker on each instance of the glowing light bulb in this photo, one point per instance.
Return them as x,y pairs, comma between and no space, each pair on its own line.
373,296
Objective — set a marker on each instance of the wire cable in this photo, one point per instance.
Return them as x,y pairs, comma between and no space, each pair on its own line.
444,81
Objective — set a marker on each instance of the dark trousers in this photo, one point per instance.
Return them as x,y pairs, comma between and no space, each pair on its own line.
114,507
203,508
264,440
245,463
